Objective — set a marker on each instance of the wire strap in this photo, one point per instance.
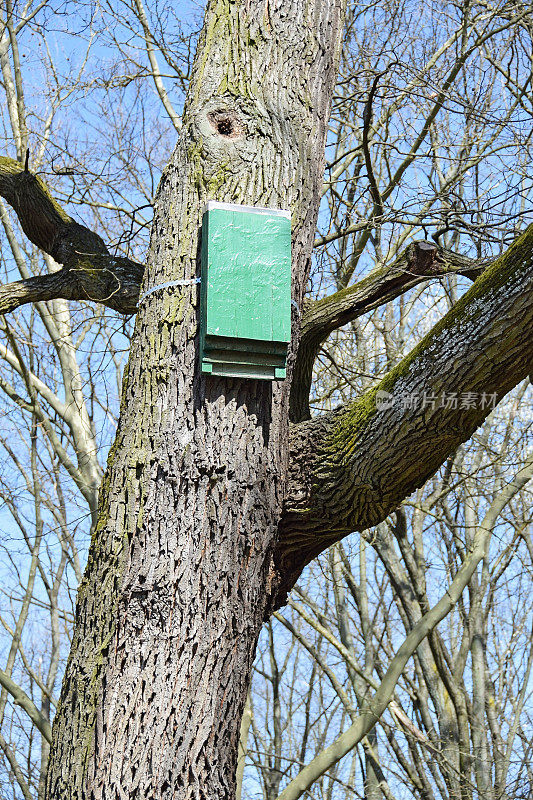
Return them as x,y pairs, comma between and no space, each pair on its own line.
297,307
166,286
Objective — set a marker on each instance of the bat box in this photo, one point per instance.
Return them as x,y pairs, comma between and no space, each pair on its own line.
245,291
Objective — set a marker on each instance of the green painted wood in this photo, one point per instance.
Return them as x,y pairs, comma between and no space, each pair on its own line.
246,291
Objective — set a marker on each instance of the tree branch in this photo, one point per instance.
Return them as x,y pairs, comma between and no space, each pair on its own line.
419,262
90,272
26,703
15,766
384,693
351,467
156,72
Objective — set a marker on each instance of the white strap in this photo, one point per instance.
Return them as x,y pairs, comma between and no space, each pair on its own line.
166,286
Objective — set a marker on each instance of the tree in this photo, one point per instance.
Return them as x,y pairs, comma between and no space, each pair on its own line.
455,726
205,521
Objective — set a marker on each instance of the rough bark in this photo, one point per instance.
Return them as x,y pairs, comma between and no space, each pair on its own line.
350,468
180,572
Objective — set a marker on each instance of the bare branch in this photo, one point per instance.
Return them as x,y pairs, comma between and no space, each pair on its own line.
90,272
351,467
419,262
21,699
383,695
15,766
156,72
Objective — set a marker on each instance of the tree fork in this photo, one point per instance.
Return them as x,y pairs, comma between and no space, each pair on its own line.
180,572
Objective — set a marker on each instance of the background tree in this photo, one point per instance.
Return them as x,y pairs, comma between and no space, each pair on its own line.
451,727
361,165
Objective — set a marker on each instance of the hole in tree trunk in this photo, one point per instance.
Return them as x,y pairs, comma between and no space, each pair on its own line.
226,124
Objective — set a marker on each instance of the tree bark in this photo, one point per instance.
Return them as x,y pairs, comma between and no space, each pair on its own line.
180,573
351,467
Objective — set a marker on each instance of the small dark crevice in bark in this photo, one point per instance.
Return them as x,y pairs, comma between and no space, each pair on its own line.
227,123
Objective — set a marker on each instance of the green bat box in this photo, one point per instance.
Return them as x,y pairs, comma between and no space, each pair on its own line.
245,291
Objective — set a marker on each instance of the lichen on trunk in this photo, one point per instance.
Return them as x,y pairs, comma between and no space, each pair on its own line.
180,572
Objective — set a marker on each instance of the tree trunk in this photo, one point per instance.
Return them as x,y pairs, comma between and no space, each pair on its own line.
180,573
